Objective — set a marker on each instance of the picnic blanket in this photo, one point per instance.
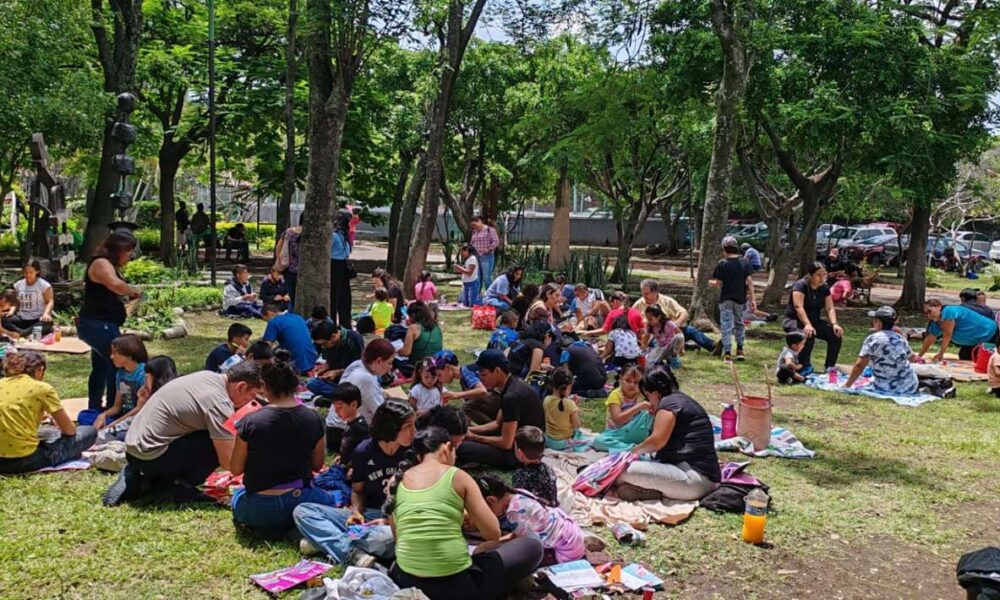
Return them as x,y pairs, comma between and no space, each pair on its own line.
609,509
862,387
67,345
783,443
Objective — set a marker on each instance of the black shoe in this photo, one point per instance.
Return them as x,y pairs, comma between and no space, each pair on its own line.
124,488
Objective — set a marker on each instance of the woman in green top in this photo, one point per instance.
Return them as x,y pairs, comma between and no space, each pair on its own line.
425,509
423,337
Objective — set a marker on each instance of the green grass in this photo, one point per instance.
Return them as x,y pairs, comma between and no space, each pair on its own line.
885,477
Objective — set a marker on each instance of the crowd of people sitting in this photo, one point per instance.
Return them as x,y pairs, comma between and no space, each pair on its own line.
402,461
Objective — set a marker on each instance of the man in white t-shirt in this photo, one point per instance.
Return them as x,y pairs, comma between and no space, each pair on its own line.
181,435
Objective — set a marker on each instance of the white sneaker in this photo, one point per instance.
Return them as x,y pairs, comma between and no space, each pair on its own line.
306,548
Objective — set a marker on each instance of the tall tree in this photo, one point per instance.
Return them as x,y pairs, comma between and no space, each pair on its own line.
117,31
731,22
454,32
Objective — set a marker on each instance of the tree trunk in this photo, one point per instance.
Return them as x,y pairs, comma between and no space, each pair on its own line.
118,55
288,184
559,242
915,280
407,216
405,164
169,163
728,97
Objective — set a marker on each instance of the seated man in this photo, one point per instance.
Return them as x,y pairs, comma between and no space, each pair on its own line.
290,332
180,435
339,347
889,354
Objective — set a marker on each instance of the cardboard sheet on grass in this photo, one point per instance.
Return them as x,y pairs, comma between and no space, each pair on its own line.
67,345
607,510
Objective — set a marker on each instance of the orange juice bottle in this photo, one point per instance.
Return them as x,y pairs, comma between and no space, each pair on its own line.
755,517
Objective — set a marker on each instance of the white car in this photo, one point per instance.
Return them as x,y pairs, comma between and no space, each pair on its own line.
995,251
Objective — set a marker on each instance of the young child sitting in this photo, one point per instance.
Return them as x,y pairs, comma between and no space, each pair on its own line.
319,315
622,347
238,297
129,356
237,340
562,416
626,401
788,361
381,310
425,393
560,535
533,475
274,290
346,398
667,339
505,334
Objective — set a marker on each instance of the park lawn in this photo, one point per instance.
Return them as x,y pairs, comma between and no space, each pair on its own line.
893,498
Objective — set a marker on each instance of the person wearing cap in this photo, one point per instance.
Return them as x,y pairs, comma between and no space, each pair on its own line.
492,443
889,355
733,275
958,324
753,257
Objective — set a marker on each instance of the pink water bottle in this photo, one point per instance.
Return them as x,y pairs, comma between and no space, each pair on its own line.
728,422
831,375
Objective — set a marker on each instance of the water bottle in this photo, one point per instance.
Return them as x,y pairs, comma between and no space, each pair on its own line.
755,516
728,418
831,375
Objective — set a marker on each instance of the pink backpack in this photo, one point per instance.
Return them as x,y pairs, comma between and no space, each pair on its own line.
599,476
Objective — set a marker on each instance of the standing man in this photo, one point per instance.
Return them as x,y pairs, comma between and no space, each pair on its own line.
486,242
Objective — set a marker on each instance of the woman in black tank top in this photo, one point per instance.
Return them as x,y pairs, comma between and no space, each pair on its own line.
103,313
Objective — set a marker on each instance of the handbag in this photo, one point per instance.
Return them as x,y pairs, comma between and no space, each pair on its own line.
599,476
484,317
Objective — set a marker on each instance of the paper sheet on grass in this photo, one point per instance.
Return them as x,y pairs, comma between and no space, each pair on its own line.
609,509
862,387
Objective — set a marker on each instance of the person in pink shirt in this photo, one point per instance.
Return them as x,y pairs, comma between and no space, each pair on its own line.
424,289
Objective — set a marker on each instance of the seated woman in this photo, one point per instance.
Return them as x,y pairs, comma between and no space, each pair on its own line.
236,239
428,503
504,288
24,400
423,336
34,302
374,461
685,465
277,449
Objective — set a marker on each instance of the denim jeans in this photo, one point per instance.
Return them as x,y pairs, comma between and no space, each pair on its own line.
486,264
731,322
470,293
326,528
50,454
690,333
320,387
98,335
271,516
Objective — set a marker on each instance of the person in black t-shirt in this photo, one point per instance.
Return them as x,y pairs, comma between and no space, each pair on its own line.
686,466
734,275
493,443
276,450
809,299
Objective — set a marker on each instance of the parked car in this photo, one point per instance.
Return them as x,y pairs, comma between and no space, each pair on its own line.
849,236
879,250
978,241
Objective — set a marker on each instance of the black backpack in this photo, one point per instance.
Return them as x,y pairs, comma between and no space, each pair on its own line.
979,573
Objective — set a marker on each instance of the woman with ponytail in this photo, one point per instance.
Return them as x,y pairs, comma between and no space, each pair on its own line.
24,400
426,506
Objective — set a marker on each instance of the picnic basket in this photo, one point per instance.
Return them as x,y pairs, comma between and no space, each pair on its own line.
753,420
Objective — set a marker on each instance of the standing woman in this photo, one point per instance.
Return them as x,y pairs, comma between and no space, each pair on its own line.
428,501
340,281
288,245
810,298
103,312
34,302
